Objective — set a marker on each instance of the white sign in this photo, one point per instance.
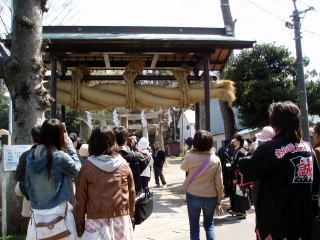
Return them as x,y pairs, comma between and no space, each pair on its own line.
11,154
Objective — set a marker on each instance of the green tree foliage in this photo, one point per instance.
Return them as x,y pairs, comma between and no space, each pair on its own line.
313,91
72,119
4,108
262,75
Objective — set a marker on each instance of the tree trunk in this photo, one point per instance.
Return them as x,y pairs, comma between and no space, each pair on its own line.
230,127
23,76
229,122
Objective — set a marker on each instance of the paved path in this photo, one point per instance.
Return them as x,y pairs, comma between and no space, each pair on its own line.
169,220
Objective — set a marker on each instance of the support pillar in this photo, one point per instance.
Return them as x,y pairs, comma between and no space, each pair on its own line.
145,132
63,113
206,69
53,87
161,140
63,108
197,126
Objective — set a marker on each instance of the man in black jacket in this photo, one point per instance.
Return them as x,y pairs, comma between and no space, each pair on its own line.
137,160
159,159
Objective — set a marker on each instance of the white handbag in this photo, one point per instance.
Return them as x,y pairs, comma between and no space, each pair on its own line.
54,229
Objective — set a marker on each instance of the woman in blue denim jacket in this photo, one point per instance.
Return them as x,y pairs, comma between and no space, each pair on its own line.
47,172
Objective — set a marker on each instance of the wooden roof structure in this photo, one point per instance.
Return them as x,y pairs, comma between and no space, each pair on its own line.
161,48
104,48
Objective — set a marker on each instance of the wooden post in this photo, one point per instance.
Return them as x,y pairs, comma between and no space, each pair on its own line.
4,200
63,113
53,87
206,69
63,108
197,117
161,139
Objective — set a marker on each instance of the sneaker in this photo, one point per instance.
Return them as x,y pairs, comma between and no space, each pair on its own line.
157,186
164,185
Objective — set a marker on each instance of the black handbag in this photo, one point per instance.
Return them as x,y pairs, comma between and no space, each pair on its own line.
143,207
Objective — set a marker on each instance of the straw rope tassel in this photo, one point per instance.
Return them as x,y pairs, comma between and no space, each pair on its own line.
76,78
133,69
181,76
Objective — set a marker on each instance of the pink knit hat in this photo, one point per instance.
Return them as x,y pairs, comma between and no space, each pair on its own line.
266,134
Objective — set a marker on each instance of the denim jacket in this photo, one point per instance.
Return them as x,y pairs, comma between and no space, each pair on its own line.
45,192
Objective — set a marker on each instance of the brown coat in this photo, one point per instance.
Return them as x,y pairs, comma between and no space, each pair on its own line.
101,194
209,182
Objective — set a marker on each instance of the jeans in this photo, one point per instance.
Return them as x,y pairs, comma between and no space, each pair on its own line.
208,206
158,172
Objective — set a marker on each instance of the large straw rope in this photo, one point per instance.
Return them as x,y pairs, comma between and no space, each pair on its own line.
76,78
181,76
133,69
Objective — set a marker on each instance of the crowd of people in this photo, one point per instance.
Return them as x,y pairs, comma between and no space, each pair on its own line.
276,172
115,170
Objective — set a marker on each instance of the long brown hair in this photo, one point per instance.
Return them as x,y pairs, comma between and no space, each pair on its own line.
52,136
317,128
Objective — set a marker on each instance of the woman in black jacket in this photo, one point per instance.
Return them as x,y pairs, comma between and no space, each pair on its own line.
285,175
239,199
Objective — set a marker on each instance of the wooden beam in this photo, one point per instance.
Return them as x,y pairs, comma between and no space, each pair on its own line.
133,30
106,59
122,64
154,60
206,70
120,78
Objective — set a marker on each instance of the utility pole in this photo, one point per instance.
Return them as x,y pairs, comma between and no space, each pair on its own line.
300,71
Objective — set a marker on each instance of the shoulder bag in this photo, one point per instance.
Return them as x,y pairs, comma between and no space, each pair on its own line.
199,170
144,206
53,230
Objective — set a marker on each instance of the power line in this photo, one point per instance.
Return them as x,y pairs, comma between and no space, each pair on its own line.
309,6
314,33
266,10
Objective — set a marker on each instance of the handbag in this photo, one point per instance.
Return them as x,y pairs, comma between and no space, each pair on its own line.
239,191
143,206
53,230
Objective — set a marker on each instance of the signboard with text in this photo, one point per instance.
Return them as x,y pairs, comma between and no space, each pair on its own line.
11,154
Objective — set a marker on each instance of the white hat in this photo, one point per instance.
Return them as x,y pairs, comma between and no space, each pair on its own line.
84,150
143,143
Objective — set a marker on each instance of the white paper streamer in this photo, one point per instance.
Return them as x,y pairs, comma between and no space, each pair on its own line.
115,118
143,119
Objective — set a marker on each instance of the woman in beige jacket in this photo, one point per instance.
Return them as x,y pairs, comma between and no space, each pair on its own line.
203,185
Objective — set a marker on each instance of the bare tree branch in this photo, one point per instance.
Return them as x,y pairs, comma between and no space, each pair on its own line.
3,51
1,67
67,14
3,22
8,5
